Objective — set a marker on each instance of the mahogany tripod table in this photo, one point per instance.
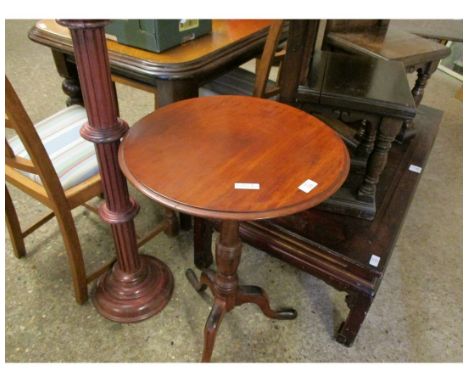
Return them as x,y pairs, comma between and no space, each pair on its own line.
233,158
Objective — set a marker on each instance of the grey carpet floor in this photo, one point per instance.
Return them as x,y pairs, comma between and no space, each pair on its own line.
416,316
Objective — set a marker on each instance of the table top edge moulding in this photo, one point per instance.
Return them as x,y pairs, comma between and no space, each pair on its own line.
229,37
166,189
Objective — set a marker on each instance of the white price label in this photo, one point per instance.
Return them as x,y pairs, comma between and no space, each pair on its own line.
414,168
374,260
308,186
247,186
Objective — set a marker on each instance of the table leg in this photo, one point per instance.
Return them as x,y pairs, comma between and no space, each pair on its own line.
367,139
424,73
387,131
224,284
359,305
173,91
71,84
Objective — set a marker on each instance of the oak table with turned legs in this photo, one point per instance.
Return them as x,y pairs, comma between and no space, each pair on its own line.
245,158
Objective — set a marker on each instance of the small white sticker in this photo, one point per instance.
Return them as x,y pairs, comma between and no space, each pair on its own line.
247,186
374,260
415,169
308,186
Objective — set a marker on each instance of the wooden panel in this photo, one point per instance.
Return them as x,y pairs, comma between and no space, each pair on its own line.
362,83
342,25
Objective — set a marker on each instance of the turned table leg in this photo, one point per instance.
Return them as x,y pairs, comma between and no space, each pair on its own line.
69,73
367,139
358,305
71,84
224,284
387,131
424,74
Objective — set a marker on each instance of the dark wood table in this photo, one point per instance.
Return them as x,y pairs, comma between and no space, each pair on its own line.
356,90
245,158
176,73
391,43
348,253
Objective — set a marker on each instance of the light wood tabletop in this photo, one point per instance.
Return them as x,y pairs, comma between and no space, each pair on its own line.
228,37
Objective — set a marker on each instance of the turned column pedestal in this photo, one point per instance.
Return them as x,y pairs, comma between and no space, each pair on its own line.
136,287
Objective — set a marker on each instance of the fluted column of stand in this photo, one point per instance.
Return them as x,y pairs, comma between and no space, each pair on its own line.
137,287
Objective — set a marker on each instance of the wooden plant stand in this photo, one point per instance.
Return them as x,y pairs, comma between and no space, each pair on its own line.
137,287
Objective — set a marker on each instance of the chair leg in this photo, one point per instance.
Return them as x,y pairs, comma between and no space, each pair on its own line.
14,228
75,256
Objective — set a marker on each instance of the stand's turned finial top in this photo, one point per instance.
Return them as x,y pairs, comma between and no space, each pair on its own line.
83,23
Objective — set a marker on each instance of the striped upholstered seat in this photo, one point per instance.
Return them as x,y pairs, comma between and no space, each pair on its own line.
73,158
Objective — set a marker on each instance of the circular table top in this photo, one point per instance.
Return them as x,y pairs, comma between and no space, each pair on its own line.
234,157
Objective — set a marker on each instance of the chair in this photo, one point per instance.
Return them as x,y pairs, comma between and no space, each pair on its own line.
242,82
54,165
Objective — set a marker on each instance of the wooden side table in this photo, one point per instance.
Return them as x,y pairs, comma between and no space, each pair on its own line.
390,43
356,90
244,159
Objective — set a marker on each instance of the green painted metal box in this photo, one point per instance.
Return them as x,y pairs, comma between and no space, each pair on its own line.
156,35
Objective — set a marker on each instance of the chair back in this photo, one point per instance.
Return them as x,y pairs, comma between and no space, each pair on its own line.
39,162
301,41
269,55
